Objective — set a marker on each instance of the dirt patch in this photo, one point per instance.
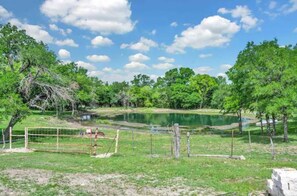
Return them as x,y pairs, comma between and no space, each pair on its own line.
4,191
16,150
35,175
95,184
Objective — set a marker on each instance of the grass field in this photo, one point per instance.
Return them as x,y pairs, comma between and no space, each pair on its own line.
134,170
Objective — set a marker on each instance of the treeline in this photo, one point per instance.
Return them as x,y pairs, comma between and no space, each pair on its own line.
263,80
178,89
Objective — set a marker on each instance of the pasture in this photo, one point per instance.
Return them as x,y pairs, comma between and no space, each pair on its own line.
144,165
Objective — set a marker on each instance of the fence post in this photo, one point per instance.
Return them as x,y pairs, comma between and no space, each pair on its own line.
232,143
176,147
26,138
272,148
151,145
10,137
117,141
188,144
3,138
133,146
57,139
250,140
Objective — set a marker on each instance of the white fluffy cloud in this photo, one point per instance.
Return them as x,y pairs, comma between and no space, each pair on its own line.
143,45
40,34
203,56
247,20
213,31
66,42
290,8
98,58
138,58
166,59
112,16
88,66
111,75
64,54
135,66
174,24
203,70
101,41
163,66
4,14
54,27
225,67
34,31
222,75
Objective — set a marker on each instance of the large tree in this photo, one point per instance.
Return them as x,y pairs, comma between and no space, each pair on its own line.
27,75
264,80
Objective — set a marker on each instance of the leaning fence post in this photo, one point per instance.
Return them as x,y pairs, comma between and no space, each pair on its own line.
176,147
272,148
10,137
117,141
188,144
26,138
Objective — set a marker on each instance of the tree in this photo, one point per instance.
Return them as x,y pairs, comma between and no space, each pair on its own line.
142,80
264,79
204,85
32,66
220,93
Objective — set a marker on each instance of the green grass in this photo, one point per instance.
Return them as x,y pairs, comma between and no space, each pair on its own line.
134,158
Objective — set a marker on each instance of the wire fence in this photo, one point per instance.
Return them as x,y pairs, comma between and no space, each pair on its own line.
149,143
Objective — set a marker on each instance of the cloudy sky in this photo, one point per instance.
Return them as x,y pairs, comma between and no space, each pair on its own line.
116,39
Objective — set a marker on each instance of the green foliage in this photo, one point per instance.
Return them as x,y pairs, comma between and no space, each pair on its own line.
264,80
204,85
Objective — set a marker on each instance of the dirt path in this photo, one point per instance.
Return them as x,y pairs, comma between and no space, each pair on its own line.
34,181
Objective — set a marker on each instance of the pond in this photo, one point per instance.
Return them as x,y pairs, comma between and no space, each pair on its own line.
167,119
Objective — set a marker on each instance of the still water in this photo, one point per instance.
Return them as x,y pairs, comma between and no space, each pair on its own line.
167,119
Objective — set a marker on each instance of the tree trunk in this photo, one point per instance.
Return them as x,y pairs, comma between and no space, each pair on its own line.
285,122
201,103
267,124
13,120
262,128
73,109
273,125
239,121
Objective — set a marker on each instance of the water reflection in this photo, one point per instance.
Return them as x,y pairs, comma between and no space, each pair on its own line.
165,119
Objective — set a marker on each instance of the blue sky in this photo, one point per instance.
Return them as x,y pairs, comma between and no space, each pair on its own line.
116,39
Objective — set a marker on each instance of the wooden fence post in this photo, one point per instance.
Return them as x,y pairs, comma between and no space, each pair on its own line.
57,139
26,138
133,146
3,139
272,148
188,144
117,141
10,137
151,145
250,140
176,147
232,143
